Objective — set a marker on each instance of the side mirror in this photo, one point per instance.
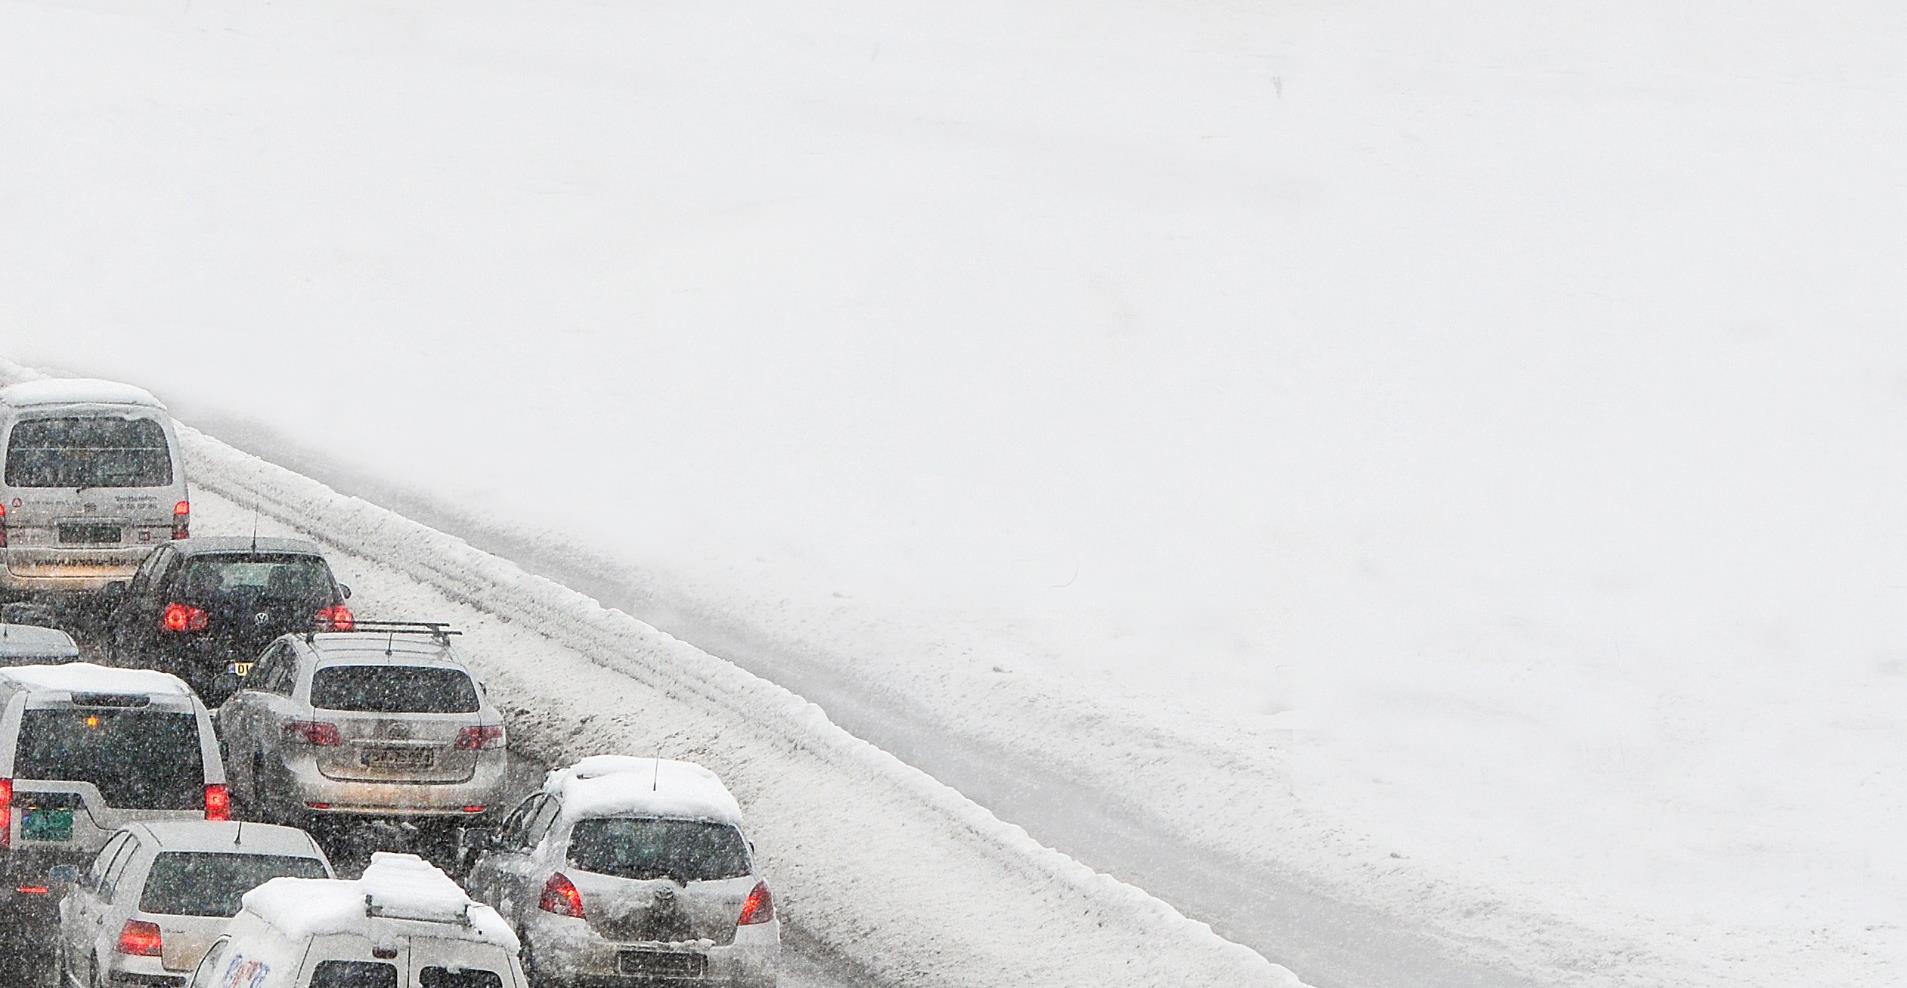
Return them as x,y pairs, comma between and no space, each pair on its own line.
223,686
63,874
345,589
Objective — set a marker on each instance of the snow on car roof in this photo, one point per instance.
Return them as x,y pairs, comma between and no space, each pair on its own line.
394,888
85,677
231,837
244,544
624,785
76,391
19,641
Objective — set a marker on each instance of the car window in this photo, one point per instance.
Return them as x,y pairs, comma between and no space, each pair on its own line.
354,974
647,848
137,758
117,870
444,977
212,884
511,833
539,824
266,576
284,676
88,451
208,970
394,689
103,862
142,578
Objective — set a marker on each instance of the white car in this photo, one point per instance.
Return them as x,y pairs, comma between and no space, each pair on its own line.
30,644
632,868
158,894
404,924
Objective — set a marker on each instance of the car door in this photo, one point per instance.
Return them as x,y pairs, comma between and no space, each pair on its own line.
238,722
520,875
486,880
126,634
268,705
82,910
103,906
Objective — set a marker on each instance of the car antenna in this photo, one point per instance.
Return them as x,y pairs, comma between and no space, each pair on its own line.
254,529
656,782
239,837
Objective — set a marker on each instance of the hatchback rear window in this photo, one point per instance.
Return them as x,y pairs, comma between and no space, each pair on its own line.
210,884
643,848
138,759
394,689
273,577
88,451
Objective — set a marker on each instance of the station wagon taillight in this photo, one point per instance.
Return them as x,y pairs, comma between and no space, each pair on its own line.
182,519
759,907
218,802
480,737
337,617
560,897
179,618
139,938
6,813
313,732
3,526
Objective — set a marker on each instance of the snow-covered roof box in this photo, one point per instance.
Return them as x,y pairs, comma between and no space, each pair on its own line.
623,785
76,391
395,888
30,641
84,677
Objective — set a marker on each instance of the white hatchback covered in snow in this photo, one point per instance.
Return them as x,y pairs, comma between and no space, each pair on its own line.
632,870
29,644
404,924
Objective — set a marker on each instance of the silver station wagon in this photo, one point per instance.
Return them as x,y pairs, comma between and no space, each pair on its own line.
383,722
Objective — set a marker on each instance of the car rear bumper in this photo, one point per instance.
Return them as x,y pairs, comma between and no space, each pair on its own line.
123,970
320,796
32,569
570,951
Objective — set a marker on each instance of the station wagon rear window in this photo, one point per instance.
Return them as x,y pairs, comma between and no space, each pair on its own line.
138,759
647,849
189,883
394,689
88,451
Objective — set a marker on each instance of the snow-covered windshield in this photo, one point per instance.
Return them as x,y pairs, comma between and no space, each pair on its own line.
687,850
394,689
138,759
88,451
213,884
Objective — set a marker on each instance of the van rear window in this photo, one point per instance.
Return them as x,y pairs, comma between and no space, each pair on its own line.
190,883
138,759
394,689
444,977
88,451
354,974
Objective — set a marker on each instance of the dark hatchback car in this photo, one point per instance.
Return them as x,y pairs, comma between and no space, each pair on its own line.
204,607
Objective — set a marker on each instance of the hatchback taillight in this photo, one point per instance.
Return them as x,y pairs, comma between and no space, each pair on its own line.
337,617
6,813
179,618
139,938
218,802
182,519
313,732
759,907
560,897
480,737
3,526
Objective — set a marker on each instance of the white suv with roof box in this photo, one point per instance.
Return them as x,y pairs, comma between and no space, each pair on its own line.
403,925
90,481
85,750
159,893
383,722
632,871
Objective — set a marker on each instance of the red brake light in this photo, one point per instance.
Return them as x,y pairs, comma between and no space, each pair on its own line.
183,617
3,526
337,617
182,519
6,813
477,738
759,907
313,732
560,897
218,802
139,938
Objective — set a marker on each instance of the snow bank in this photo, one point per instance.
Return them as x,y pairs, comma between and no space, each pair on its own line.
899,872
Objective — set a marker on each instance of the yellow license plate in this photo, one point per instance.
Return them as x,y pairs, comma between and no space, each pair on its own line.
240,669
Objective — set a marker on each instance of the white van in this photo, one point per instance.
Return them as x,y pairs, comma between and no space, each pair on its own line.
404,924
90,481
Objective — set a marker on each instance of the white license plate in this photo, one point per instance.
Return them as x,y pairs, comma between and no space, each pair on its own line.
398,757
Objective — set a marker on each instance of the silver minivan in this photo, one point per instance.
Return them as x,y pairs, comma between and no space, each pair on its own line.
90,481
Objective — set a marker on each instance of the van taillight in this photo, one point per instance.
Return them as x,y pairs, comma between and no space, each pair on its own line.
560,897
183,617
139,938
182,519
313,732
6,813
337,617
218,802
759,907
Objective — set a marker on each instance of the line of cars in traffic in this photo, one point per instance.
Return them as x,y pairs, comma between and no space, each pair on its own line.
157,813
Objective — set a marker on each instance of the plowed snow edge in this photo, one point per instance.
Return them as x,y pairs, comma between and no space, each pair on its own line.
888,866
